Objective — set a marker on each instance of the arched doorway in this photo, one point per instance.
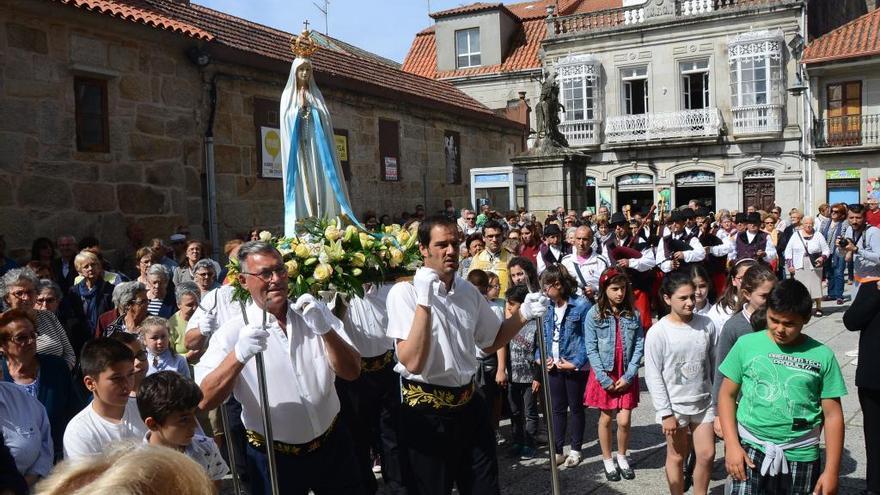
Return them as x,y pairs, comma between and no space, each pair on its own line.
759,189
695,185
636,190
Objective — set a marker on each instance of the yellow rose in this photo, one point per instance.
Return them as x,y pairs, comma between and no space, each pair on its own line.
265,236
292,268
357,272
403,236
396,256
302,251
332,233
366,240
389,229
358,259
323,272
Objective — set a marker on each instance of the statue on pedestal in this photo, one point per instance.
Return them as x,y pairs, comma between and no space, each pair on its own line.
547,117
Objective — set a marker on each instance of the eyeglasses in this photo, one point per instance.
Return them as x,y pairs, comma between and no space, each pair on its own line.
25,338
47,300
266,275
769,222
205,274
139,302
141,356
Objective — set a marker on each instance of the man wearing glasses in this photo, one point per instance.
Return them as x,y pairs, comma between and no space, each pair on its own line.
303,354
493,258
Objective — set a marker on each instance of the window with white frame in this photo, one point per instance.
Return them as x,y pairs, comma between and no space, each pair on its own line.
579,78
695,84
756,68
467,48
635,90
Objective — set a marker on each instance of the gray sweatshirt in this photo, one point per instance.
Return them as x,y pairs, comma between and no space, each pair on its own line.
679,366
737,326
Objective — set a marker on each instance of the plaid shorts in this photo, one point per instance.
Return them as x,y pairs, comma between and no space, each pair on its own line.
800,480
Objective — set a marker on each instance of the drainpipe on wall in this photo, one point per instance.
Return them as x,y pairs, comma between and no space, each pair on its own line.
211,180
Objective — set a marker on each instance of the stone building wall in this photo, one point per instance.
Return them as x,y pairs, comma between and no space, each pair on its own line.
158,103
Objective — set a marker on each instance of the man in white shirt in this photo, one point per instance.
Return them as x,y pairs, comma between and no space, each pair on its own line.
372,402
438,320
753,243
108,369
673,252
585,265
303,353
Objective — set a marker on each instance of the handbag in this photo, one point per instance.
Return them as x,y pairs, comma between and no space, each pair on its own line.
813,256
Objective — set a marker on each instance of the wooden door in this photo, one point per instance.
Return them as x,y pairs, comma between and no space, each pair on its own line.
759,193
845,114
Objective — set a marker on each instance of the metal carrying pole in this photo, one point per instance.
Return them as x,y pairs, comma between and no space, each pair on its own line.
230,449
548,409
264,402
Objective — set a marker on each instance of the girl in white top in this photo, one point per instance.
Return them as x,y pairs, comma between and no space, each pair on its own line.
700,278
728,303
679,364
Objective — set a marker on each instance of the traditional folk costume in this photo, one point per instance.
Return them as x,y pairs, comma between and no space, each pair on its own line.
679,242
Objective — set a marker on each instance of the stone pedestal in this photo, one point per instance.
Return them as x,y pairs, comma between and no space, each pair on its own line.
555,179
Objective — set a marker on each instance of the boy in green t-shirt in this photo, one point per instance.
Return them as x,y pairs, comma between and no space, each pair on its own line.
791,387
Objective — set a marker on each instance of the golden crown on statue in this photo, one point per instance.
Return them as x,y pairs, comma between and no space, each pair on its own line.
303,46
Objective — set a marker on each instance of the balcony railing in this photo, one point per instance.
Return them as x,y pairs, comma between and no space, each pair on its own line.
849,130
757,119
705,122
580,132
625,16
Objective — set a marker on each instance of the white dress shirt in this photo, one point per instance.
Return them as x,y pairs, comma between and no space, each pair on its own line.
219,301
554,250
302,395
769,248
695,255
586,270
365,322
461,320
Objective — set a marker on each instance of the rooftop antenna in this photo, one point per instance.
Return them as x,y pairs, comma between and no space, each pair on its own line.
324,10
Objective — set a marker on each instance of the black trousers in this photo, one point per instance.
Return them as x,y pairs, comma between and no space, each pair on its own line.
567,393
869,399
523,413
371,408
443,447
329,470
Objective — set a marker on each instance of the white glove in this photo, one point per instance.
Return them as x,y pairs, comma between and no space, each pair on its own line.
316,314
535,306
251,341
208,324
424,281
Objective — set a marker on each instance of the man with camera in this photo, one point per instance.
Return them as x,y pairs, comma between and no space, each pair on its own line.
861,243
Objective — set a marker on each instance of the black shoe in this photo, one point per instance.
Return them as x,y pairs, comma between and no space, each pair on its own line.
688,482
628,473
612,475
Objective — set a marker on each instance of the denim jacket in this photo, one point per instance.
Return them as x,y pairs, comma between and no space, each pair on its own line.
599,339
571,336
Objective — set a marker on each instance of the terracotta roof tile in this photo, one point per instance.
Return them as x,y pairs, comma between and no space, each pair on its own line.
133,11
858,38
272,43
523,53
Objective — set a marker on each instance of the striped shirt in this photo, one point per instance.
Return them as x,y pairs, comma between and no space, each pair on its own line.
52,338
154,306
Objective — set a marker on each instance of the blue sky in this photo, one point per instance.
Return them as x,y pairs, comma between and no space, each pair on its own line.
384,27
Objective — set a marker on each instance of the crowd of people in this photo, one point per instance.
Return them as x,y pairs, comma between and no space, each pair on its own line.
412,379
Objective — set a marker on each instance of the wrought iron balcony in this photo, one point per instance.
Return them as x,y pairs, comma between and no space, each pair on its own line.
757,119
581,132
602,20
850,130
686,124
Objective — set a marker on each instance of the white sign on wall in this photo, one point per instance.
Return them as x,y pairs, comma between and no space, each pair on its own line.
270,143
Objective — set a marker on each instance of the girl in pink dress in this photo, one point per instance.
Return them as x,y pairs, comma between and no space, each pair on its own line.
615,345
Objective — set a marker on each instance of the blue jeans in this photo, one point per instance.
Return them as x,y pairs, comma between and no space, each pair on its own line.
834,274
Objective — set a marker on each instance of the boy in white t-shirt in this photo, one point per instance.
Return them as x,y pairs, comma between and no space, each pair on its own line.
168,403
108,373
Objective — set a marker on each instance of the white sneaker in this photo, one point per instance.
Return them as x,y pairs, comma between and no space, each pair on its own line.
855,362
573,459
560,459
852,353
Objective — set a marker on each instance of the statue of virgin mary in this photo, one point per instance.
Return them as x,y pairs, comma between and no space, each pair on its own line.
313,182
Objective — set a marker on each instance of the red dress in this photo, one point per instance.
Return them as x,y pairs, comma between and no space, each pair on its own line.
598,397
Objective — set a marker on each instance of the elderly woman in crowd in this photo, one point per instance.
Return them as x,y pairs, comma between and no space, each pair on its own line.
87,300
205,275
129,310
161,301
195,251
188,297
805,254
145,257
44,377
26,433
474,243
18,288
49,296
